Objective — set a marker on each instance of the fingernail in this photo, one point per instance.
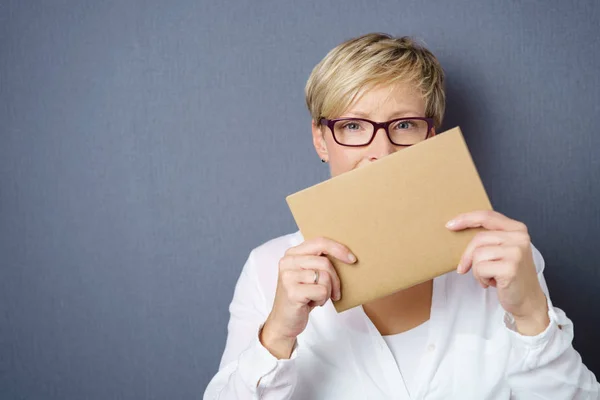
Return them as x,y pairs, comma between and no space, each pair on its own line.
337,297
351,257
459,268
451,224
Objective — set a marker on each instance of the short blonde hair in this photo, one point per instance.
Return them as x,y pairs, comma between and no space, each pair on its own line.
367,61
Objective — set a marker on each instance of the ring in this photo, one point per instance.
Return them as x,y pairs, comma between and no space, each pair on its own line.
316,280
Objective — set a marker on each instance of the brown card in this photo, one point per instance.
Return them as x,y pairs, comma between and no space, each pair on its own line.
392,214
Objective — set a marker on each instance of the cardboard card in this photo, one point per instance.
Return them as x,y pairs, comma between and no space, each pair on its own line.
392,214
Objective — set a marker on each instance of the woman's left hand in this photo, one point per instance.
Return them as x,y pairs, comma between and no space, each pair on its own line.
500,256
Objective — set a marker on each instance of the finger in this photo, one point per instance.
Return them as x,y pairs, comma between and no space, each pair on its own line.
323,280
488,253
488,238
494,253
483,255
305,294
321,245
487,219
307,277
489,273
310,262
481,281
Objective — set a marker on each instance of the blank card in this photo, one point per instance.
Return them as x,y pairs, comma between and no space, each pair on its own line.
392,214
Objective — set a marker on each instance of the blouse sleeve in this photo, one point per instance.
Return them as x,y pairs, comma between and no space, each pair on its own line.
547,366
248,370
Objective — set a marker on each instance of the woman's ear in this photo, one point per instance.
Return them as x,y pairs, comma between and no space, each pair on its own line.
318,134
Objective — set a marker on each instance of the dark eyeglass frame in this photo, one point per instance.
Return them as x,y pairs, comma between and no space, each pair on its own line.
376,127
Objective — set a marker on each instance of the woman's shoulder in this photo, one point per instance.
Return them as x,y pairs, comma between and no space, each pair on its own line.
263,261
275,248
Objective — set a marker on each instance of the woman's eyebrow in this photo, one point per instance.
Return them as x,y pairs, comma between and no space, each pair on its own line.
401,114
397,114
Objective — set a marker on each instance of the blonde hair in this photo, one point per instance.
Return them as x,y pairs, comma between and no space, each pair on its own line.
367,61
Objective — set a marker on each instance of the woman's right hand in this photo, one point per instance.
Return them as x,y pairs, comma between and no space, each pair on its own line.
297,293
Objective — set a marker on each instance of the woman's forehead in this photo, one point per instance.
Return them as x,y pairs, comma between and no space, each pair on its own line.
397,99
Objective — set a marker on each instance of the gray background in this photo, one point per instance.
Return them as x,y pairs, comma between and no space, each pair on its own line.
146,147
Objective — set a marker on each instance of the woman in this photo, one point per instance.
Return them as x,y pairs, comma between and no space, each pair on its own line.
492,334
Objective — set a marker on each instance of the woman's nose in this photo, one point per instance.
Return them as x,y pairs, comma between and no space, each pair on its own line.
381,146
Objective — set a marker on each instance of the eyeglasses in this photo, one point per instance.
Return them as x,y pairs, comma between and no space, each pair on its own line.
356,132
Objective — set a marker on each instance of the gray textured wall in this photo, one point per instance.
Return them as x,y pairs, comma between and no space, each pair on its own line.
147,146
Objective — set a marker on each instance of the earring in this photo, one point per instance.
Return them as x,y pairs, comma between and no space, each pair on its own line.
323,161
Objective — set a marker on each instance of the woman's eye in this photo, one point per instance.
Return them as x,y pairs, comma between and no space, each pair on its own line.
352,126
404,125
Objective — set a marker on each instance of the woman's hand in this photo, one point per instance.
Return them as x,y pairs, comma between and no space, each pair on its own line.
501,257
306,279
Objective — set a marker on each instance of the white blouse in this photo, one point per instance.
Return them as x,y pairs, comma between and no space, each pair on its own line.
408,348
473,349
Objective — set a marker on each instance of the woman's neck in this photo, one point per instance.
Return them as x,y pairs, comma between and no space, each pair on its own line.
401,311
